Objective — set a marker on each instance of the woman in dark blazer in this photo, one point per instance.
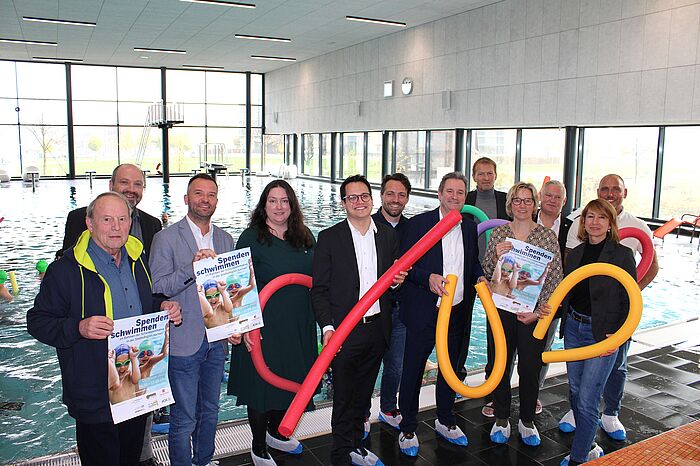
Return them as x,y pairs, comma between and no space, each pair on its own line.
595,308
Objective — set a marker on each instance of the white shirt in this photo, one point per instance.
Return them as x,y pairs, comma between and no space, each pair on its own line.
453,259
203,241
366,256
555,225
624,219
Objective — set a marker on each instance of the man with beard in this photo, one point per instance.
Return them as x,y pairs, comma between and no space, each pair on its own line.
196,364
394,195
129,180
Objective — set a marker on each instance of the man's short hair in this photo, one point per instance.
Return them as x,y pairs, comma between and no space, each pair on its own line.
90,213
484,160
558,184
453,176
354,179
622,180
400,177
513,192
202,176
116,169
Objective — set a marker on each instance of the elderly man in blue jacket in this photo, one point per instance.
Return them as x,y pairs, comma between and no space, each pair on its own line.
102,278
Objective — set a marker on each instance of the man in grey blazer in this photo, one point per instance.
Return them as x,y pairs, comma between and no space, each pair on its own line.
196,365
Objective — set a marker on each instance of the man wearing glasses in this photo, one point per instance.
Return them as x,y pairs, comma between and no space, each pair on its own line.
456,253
349,258
103,277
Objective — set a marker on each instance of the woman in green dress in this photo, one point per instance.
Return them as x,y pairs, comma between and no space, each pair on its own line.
280,244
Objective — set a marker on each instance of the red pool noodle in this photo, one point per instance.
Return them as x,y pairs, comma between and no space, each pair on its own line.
303,396
256,350
647,248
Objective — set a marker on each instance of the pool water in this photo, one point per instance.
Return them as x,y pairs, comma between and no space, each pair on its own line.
33,230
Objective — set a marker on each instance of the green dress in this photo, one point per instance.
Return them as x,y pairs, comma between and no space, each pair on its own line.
290,343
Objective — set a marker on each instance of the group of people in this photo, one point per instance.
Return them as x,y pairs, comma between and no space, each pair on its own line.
125,264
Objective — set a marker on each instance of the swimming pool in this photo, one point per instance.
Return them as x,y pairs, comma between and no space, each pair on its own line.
33,230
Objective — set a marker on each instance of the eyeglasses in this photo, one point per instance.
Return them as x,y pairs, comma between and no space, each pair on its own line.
146,353
215,295
356,197
122,364
520,200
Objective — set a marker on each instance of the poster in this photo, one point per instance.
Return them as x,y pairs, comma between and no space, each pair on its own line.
137,371
519,275
227,294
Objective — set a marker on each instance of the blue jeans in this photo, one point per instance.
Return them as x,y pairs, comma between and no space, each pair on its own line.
615,387
393,364
196,383
586,381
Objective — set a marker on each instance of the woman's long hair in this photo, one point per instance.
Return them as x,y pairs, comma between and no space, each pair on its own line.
600,206
297,234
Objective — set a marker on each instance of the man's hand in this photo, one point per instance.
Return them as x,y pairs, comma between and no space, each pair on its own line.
202,254
399,278
96,327
437,284
174,312
235,339
327,337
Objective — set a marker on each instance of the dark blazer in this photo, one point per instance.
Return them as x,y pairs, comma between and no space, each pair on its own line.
75,226
609,301
417,301
336,281
500,204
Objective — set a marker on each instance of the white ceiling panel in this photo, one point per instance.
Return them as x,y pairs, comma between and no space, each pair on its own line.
206,32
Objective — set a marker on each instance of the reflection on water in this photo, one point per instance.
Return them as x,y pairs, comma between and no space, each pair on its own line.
33,230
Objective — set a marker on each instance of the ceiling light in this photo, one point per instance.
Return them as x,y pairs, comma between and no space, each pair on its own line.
222,3
143,57
59,21
204,67
267,57
28,42
271,39
143,49
376,21
59,59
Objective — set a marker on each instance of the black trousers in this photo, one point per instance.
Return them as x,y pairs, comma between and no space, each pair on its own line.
519,337
419,345
110,444
355,370
459,369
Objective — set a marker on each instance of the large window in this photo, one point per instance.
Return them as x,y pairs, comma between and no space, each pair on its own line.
33,118
353,154
311,154
273,153
542,154
410,156
679,183
499,146
374,157
628,152
326,149
442,156
110,109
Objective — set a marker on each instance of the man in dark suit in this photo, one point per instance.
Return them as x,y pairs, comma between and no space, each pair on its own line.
348,259
493,203
457,254
129,180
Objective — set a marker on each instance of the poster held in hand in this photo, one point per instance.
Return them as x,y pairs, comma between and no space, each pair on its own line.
519,275
227,294
137,366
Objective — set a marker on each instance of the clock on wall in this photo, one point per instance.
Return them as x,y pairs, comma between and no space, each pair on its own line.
407,86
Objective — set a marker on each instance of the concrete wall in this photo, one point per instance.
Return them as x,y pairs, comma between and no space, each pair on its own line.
511,63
